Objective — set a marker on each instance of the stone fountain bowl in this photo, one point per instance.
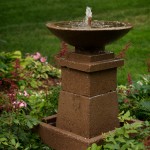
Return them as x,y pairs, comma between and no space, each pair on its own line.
85,38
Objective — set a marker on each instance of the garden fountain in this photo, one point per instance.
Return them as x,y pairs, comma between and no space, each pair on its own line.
88,103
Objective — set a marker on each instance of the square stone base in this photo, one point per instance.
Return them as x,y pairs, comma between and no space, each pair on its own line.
87,116
59,139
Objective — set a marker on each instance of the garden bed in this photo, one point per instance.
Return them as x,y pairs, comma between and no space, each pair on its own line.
28,94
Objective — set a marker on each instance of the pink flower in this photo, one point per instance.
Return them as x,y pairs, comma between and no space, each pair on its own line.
43,59
37,56
22,104
128,92
19,104
26,94
126,101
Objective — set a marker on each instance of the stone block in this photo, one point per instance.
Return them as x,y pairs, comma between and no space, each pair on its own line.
87,116
89,84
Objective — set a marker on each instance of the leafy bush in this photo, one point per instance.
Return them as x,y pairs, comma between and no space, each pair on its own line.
15,131
6,62
26,95
39,67
26,72
127,137
41,103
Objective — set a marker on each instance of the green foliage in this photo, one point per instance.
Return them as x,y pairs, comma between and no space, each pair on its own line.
15,132
25,72
42,104
25,97
123,117
128,137
95,147
40,70
6,62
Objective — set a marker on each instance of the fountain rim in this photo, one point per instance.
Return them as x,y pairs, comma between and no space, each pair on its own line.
53,25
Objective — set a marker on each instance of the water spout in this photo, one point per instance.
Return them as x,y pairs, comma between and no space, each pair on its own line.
88,17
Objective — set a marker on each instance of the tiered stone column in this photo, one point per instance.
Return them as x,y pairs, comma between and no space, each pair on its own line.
88,101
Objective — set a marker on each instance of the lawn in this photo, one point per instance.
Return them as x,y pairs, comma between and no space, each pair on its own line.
22,27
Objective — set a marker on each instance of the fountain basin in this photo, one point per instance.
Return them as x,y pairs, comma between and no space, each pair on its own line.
60,139
89,39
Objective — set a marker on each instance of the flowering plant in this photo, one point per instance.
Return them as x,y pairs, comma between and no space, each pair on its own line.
136,97
24,100
40,68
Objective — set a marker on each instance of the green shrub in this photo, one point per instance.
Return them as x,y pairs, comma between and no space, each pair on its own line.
136,98
15,131
25,97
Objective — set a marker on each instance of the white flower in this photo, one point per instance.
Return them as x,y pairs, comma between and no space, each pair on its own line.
140,83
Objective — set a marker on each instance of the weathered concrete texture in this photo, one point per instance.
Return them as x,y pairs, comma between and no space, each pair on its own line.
60,139
72,56
88,84
87,116
87,104
90,66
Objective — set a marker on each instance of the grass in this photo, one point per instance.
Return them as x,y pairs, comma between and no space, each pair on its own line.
22,27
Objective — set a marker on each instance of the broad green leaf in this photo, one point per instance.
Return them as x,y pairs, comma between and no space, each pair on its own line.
89,148
132,131
17,145
3,139
13,142
5,143
94,147
29,124
16,121
120,139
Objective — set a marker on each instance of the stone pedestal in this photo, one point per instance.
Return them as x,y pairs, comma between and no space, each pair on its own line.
88,103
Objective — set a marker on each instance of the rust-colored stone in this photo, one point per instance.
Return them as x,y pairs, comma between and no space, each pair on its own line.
88,84
87,116
90,66
87,104
72,56
60,139
87,40
88,100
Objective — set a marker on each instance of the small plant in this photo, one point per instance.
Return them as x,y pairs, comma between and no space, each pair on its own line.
41,103
40,68
124,117
6,62
95,147
127,137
